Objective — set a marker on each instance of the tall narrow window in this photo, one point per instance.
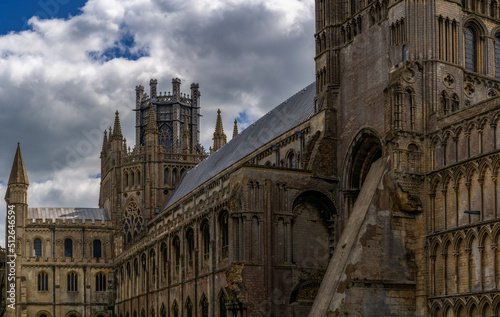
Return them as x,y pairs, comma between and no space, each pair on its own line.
165,176
37,248
100,282
411,106
403,52
174,177
204,306
175,310
190,247
497,56
205,231
132,178
189,308
470,49
68,248
222,305
353,7
43,281
177,254
72,282
224,234
97,249
291,160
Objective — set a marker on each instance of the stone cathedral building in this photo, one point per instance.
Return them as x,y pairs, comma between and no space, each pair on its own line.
371,192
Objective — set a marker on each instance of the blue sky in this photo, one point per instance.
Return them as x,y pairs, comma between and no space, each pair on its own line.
14,15
66,66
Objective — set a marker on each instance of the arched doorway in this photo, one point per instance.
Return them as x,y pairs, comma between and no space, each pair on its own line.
365,149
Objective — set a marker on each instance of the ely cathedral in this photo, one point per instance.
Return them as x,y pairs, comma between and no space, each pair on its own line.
371,192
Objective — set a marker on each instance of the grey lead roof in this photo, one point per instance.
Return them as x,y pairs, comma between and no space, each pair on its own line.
90,214
281,119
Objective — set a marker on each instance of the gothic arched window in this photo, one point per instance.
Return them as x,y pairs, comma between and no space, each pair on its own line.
497,56
190,246
224,233
165,176
177,253
205,232
204,306
175,309
133,220
222,305
37,247
189,308
470,49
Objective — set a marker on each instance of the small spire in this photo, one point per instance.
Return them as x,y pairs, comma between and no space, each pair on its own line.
18,172
117,130
235,129
151,127
219,135
218,125
105,141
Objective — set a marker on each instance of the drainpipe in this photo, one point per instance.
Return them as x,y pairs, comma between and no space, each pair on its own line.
84,291
54,289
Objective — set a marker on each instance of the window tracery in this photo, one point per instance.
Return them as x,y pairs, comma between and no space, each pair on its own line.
133,221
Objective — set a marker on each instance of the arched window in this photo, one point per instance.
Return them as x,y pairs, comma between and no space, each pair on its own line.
97,249
72,282
126,179
471,49
152,265
177,253
152,312
132,221
139,178
222,305
205,232
174,177
43,281
68,248
164,254
163,311
37,247
411,107
132,178
190,246
165,176
403,52
100,282
204,306
224,233
189,308
291,160
143,313
175,309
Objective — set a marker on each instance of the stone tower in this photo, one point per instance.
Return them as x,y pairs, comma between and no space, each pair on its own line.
135,183
413,82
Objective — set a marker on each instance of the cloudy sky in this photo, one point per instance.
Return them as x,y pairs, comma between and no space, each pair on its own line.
67,65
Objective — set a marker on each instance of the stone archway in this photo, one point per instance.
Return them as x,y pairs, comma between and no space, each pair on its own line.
365,149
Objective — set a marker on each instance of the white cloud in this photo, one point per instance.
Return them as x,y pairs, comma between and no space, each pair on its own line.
64,76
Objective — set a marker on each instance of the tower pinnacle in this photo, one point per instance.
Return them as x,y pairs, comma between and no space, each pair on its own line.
117,130
18,172
219,135
151,127
235,129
